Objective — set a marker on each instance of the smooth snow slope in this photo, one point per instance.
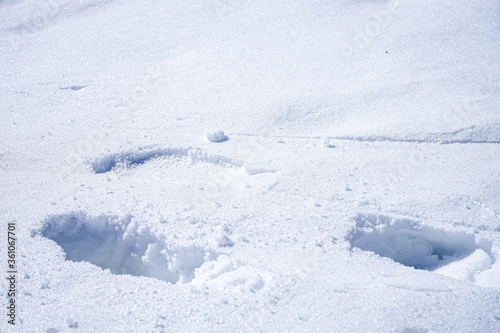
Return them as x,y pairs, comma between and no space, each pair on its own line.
357,189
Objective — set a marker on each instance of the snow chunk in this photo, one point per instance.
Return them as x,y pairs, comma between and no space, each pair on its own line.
72,323
328,143
225,241
216,136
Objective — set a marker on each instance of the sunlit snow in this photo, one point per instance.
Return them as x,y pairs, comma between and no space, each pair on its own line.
248,166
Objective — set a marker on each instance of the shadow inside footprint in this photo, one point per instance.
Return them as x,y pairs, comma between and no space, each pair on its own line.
121,246
409,243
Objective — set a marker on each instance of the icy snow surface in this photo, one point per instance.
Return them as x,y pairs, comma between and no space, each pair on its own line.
351,184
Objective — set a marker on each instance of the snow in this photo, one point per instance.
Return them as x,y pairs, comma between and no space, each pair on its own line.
408,243
328,143
216,136
354,187
122,247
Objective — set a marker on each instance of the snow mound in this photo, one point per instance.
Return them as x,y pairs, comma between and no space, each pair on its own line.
467,268
453,254
216,136
122,247
143,155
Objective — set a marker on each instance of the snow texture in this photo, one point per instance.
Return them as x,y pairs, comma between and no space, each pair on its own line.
354,186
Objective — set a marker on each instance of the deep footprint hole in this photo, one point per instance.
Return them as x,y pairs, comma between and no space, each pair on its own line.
122,247
409,243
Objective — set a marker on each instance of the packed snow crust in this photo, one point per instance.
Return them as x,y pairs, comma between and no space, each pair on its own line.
354,187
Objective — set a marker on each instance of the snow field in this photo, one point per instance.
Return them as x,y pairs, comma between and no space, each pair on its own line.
134,218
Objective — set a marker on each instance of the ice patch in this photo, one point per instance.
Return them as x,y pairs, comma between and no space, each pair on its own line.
454,254
142,155
122,247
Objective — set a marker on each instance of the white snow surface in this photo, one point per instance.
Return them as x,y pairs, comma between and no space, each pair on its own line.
356,188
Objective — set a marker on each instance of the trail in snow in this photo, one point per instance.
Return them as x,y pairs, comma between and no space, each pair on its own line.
142,155
492,132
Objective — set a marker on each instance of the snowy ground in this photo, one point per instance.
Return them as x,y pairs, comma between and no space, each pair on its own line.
232,165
